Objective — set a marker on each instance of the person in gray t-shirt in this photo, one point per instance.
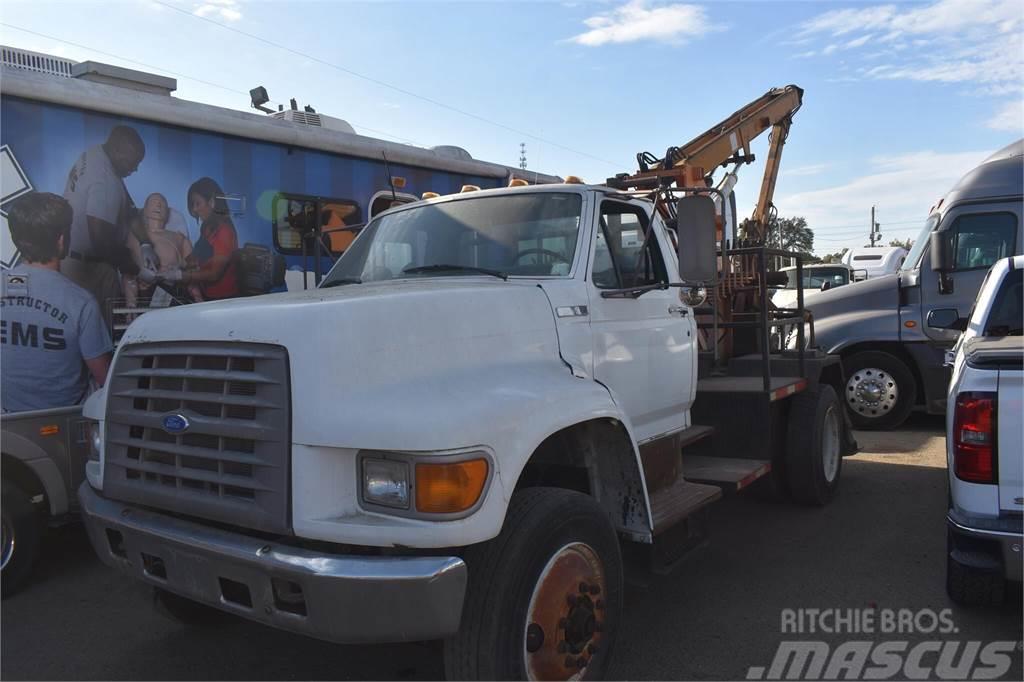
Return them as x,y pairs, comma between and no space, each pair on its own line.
52,335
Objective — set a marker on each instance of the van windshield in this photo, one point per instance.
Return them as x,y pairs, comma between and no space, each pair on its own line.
815,277
913,258
527,235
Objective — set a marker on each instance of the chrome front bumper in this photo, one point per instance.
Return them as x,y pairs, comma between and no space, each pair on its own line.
336,597
1004,534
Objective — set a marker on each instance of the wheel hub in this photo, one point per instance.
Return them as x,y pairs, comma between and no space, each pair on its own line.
871,392
7,546
564,621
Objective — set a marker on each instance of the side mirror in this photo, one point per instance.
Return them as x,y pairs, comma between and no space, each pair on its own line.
695,243
946,318
826,285
940,252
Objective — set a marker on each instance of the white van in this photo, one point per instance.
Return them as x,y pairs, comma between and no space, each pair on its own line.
874,260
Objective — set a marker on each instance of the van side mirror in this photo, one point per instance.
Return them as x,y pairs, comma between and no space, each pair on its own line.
941,251
695,242
946,318
826,285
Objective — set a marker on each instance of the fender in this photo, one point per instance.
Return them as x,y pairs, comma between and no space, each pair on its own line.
41,464
838,332
506,411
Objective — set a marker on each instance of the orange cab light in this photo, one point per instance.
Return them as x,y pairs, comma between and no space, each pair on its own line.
49,430
573,180
398,181
910,324
470,188
450,487
517,182
430,195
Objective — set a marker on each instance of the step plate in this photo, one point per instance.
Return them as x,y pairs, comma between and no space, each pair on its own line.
673,504
727,472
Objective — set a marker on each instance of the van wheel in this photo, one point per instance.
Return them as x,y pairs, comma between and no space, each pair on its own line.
544,597
187,611
21,537
971,586
813,445
880,390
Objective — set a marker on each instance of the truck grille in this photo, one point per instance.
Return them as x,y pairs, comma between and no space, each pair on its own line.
231,461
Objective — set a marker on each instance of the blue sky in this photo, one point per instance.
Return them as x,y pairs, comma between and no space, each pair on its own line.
900,98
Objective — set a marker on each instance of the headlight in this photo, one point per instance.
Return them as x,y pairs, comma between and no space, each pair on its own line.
386,482
693,296
95,440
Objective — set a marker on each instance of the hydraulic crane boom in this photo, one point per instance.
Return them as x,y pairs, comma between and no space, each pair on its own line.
725,143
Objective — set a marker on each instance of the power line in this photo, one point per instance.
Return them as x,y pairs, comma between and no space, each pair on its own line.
384,84
181,75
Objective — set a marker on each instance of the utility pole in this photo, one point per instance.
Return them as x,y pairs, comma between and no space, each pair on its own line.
522,155
874,227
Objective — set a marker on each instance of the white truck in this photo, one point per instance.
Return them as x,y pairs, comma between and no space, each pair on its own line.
985,438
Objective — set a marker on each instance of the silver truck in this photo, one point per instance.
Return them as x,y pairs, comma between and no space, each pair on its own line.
894,362
44,456
985,439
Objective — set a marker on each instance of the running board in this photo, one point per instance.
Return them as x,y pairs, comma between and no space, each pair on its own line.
671,505
729,473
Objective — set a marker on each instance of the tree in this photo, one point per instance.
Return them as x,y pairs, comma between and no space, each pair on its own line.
906,243
792,234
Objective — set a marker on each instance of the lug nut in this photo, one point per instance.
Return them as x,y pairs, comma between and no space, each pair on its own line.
584,588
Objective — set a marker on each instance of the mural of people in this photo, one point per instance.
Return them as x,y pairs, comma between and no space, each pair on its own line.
52,333
101,241
170,248
213,255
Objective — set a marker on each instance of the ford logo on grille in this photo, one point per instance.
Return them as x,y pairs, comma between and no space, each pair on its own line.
176,423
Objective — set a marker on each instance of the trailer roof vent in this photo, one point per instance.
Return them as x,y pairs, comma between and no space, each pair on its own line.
314,119
36,61
452,152
131,79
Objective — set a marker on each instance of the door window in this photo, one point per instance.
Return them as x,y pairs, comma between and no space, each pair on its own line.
624,257
980,240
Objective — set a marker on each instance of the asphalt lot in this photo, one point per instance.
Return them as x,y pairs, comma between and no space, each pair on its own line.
880,544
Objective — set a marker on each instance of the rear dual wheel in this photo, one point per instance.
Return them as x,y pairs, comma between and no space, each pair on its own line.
544,597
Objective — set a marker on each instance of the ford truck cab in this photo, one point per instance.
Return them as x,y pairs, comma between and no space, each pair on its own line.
894,361
984,438
448,438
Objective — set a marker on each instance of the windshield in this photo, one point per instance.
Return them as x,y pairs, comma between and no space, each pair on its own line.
1006,318
529,235
815,278
920,243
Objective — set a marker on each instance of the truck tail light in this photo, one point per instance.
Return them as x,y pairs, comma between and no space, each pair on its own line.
974,437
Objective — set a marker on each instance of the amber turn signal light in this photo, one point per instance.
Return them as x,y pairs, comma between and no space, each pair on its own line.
451,487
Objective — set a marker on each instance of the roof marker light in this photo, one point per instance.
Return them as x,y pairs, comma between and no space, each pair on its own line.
573,180
469,188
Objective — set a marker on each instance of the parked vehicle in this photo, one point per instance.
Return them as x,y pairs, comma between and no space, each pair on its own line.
894,362
816,278
44,454
528,391
985,438
874,261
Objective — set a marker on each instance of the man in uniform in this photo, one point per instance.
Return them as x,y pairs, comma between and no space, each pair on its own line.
52,335
100,232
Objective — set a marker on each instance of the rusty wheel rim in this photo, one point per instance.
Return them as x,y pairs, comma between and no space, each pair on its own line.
565,619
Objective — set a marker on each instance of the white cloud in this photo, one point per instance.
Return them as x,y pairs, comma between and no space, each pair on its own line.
1009,117
640,20
230,10
813,169
902,187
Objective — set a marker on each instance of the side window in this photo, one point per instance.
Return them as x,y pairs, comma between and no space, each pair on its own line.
297,217
980,240
622,259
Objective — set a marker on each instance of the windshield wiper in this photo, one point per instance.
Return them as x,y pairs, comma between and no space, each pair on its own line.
439,267
339,281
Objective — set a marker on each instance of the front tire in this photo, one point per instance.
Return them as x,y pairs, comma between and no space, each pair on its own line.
544,597
880,390
21,538
814,459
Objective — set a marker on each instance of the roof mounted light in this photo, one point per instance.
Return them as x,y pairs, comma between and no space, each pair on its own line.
469,188
517,182
573,180
258,97
430,195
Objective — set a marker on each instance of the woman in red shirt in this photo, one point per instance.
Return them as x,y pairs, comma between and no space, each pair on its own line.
214,251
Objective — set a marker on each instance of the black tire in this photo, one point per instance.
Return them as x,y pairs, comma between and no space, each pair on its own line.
188,612
971,586
886,415
22,528
814,417
503,574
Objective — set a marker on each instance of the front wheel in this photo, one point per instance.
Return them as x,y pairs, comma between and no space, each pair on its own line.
21,538
880,390
544,597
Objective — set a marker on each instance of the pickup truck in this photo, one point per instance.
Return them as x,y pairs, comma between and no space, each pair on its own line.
985,439
44,455
451,435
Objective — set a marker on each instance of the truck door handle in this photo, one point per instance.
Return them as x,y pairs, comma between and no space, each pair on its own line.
682,311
